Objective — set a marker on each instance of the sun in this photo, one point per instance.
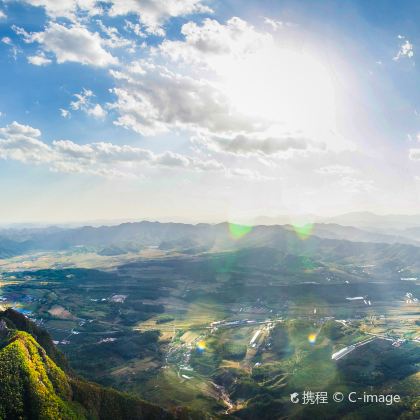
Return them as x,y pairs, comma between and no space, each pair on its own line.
288,89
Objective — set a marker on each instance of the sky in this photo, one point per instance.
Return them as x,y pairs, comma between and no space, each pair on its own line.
207,110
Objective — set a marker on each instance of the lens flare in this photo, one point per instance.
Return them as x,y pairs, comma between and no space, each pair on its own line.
201,345
238,231
303,231
312,338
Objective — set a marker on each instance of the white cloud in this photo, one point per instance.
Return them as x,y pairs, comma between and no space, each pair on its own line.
13,48
152,99
65,113
212,42
335,170
406,49
114,39
67,8
16,130
135,28
275,25
248,145
356,185
347,178
71,44
82,99
154,13
97,111
22,143
84,102
151,13
2,15
39,60
6,40
248,174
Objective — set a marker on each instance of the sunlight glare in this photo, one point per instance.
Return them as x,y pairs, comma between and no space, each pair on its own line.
292,89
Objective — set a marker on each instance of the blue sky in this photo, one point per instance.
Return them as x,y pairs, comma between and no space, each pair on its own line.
201,110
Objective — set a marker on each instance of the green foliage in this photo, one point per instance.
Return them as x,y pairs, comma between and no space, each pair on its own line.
233,351
31,384
164,319
21,323
127,346
103,403
280,341
333,330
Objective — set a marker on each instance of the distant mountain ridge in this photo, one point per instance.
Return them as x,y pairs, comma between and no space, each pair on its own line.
363,220
354,234
130,237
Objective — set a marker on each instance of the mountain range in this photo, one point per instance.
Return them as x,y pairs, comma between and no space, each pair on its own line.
131,237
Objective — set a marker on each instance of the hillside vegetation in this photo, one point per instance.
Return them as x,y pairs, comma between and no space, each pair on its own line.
33,386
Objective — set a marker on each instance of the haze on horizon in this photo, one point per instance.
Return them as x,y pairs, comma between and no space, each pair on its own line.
201,110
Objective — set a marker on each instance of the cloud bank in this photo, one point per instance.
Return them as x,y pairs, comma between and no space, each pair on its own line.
23,143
